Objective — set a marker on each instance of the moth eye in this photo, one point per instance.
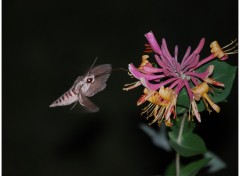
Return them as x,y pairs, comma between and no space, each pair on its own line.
89,80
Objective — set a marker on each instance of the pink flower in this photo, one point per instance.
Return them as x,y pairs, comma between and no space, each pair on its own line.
172,76
170,72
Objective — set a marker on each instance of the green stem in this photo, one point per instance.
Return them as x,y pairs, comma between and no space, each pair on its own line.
179,138
177,164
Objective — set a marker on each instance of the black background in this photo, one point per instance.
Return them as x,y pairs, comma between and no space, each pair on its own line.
48,43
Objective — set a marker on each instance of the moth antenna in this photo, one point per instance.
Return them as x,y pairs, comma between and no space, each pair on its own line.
107,72
73,105
92,65
123,69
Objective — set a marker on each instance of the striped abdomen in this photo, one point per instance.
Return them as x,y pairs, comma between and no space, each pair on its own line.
67,98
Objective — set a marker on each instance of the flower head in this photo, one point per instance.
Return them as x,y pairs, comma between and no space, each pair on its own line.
164,82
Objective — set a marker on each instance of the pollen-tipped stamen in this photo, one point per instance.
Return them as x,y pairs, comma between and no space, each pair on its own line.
232,42
206,105
155,114
147,109
132,85
232,48
212,104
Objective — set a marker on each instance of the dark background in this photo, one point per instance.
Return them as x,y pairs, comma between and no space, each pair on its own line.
48,43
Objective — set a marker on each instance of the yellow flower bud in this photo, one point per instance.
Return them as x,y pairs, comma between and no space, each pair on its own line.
217,50
201,90
223,54
165,93
144,62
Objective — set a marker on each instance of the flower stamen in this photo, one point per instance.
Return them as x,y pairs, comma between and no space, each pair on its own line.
232,42
132,85
148,108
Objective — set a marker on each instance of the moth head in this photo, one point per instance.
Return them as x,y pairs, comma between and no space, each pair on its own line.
87,82
89,79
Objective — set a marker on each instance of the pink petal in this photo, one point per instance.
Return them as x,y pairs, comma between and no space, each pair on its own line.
151,86
176,52
186,54
137,74
152,69
165,49
179,86
168,58
195,110
205,60
199,75
190,94
167,69
195,52
224,58
175,83
153,42
200,46
192,63
194,80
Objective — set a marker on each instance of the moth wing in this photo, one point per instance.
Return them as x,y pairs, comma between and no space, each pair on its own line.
89,105
101,73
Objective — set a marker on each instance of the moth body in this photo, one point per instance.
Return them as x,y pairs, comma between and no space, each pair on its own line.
67,98
86,86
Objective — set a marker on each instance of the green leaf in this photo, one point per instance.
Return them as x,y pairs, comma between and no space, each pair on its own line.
223,72
193,168
171,169
216,163
183,99
159,137
187,170
181,110
189,145
188,126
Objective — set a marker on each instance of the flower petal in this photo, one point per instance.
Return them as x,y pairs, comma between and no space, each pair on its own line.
190,94
200,46
195,110
192,63
137,74
152,69
212,104
186,55
153,42
151,86
203,75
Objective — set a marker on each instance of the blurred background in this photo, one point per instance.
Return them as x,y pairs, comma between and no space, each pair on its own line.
48,43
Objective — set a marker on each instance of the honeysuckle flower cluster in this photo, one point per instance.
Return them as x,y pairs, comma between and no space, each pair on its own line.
163,83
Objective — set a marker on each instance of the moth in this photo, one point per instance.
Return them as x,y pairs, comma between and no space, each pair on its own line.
91,83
